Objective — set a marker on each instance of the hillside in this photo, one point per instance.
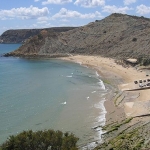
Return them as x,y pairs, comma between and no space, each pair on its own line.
117,35
19,36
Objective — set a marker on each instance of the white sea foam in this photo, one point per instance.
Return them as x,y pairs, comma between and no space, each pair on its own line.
93,92
89,146
101,84
64,103
97,74
102,107
69,76
88,97
100,120
79,62
103,94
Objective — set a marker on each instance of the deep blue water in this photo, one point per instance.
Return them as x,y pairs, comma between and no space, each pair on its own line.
40,94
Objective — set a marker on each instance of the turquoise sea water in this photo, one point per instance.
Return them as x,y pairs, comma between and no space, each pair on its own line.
41,94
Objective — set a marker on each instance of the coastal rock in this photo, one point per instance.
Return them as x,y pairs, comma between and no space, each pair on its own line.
20,35
117,36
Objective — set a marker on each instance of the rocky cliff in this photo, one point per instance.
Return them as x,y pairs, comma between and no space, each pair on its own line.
117,35
19,36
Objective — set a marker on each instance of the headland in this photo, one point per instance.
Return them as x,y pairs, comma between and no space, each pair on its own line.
104,45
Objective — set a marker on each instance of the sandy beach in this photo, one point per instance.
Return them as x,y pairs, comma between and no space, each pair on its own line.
119,104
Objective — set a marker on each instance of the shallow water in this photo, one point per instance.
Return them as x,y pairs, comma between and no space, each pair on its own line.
40,94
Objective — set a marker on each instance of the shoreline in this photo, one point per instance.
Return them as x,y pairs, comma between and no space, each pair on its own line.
117,103
112,75
108,76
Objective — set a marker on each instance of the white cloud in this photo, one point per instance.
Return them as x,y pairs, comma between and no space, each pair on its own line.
64,13
36,0
3,18
115,9
42,20
142,9
56,2
90,3
24,12
128,2
64,20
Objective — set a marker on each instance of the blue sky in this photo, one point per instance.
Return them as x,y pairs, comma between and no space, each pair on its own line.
23,14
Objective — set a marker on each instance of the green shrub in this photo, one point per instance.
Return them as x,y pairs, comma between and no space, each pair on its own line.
40,36
41,140
134,39
144,61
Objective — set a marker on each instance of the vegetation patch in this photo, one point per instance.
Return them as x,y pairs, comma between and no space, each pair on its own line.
134,39
124,141
132,137
121,101
114,126
144,61
115,100
106,81
41,140
40,37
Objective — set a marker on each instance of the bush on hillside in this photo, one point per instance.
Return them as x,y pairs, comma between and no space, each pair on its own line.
144,61
41,140
40,37
134,39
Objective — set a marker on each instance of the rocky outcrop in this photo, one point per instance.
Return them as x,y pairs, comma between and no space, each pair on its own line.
117,35
19,36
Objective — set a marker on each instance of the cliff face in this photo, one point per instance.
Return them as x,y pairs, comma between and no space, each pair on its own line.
19,36
115,36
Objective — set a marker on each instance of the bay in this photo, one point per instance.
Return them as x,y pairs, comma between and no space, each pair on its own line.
43,94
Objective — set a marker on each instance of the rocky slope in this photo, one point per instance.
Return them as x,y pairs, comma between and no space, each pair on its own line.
19,36
117,35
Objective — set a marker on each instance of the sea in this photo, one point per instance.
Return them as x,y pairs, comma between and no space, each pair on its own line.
41,94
